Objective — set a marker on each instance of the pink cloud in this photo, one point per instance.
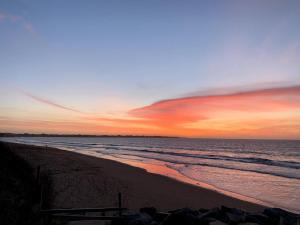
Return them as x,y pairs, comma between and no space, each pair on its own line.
194,108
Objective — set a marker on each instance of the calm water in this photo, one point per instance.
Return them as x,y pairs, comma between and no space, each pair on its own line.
264,170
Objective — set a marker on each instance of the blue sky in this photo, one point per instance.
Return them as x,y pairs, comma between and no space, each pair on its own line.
88,54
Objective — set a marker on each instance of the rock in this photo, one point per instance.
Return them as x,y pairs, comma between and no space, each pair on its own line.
289,220
232,210
218,222
258,218
280,216
275,212
215,213
235,218
248,223
203,210
143,219
136,219
211,213
154,223
183,216
151,211
124,220
160,216
206,221
215,216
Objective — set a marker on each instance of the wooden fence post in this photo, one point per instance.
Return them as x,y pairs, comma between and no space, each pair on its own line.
38,171
120,203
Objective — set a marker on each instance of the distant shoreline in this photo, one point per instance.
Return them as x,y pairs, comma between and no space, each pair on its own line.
80,135
131,136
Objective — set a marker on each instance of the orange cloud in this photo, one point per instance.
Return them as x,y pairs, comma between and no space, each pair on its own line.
238,110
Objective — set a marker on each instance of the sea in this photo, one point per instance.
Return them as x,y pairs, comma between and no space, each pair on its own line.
261,171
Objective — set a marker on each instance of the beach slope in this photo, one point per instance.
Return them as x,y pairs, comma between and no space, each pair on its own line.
86,181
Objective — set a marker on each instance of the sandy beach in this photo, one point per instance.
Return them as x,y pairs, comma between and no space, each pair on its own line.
86,181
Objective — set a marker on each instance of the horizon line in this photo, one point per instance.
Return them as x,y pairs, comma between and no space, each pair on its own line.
8,134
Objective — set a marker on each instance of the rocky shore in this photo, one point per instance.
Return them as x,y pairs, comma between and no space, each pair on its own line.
215,216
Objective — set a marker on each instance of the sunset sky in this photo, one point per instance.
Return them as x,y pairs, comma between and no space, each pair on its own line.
220,69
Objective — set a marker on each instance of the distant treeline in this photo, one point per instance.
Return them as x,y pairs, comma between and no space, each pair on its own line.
78,135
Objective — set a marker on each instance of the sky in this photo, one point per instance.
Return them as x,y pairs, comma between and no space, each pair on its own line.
211,69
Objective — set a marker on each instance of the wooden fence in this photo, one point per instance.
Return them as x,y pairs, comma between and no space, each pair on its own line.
74,214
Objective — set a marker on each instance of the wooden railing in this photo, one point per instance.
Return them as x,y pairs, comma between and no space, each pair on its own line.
75,214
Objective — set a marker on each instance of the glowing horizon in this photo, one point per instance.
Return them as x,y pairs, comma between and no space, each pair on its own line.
259,113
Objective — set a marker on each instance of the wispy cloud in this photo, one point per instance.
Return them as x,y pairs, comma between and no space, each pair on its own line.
49,102
24,23
89,117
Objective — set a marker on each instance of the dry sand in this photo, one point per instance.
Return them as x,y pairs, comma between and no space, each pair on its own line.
86,181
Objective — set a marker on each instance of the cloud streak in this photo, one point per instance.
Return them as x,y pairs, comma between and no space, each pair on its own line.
49,102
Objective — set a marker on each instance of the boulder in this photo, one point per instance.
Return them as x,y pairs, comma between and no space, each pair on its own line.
235,218
151,211
183,216
135,219
216,214
258,218
201,211
233,215
124,220
248,223
143,219
280,216
218,222
232,210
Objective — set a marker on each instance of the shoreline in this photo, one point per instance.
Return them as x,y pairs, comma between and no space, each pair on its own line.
81,178
175,175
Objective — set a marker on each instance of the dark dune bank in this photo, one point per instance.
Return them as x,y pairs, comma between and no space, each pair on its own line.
19,192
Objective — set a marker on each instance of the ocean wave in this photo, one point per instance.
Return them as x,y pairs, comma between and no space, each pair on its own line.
279,174
256,160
